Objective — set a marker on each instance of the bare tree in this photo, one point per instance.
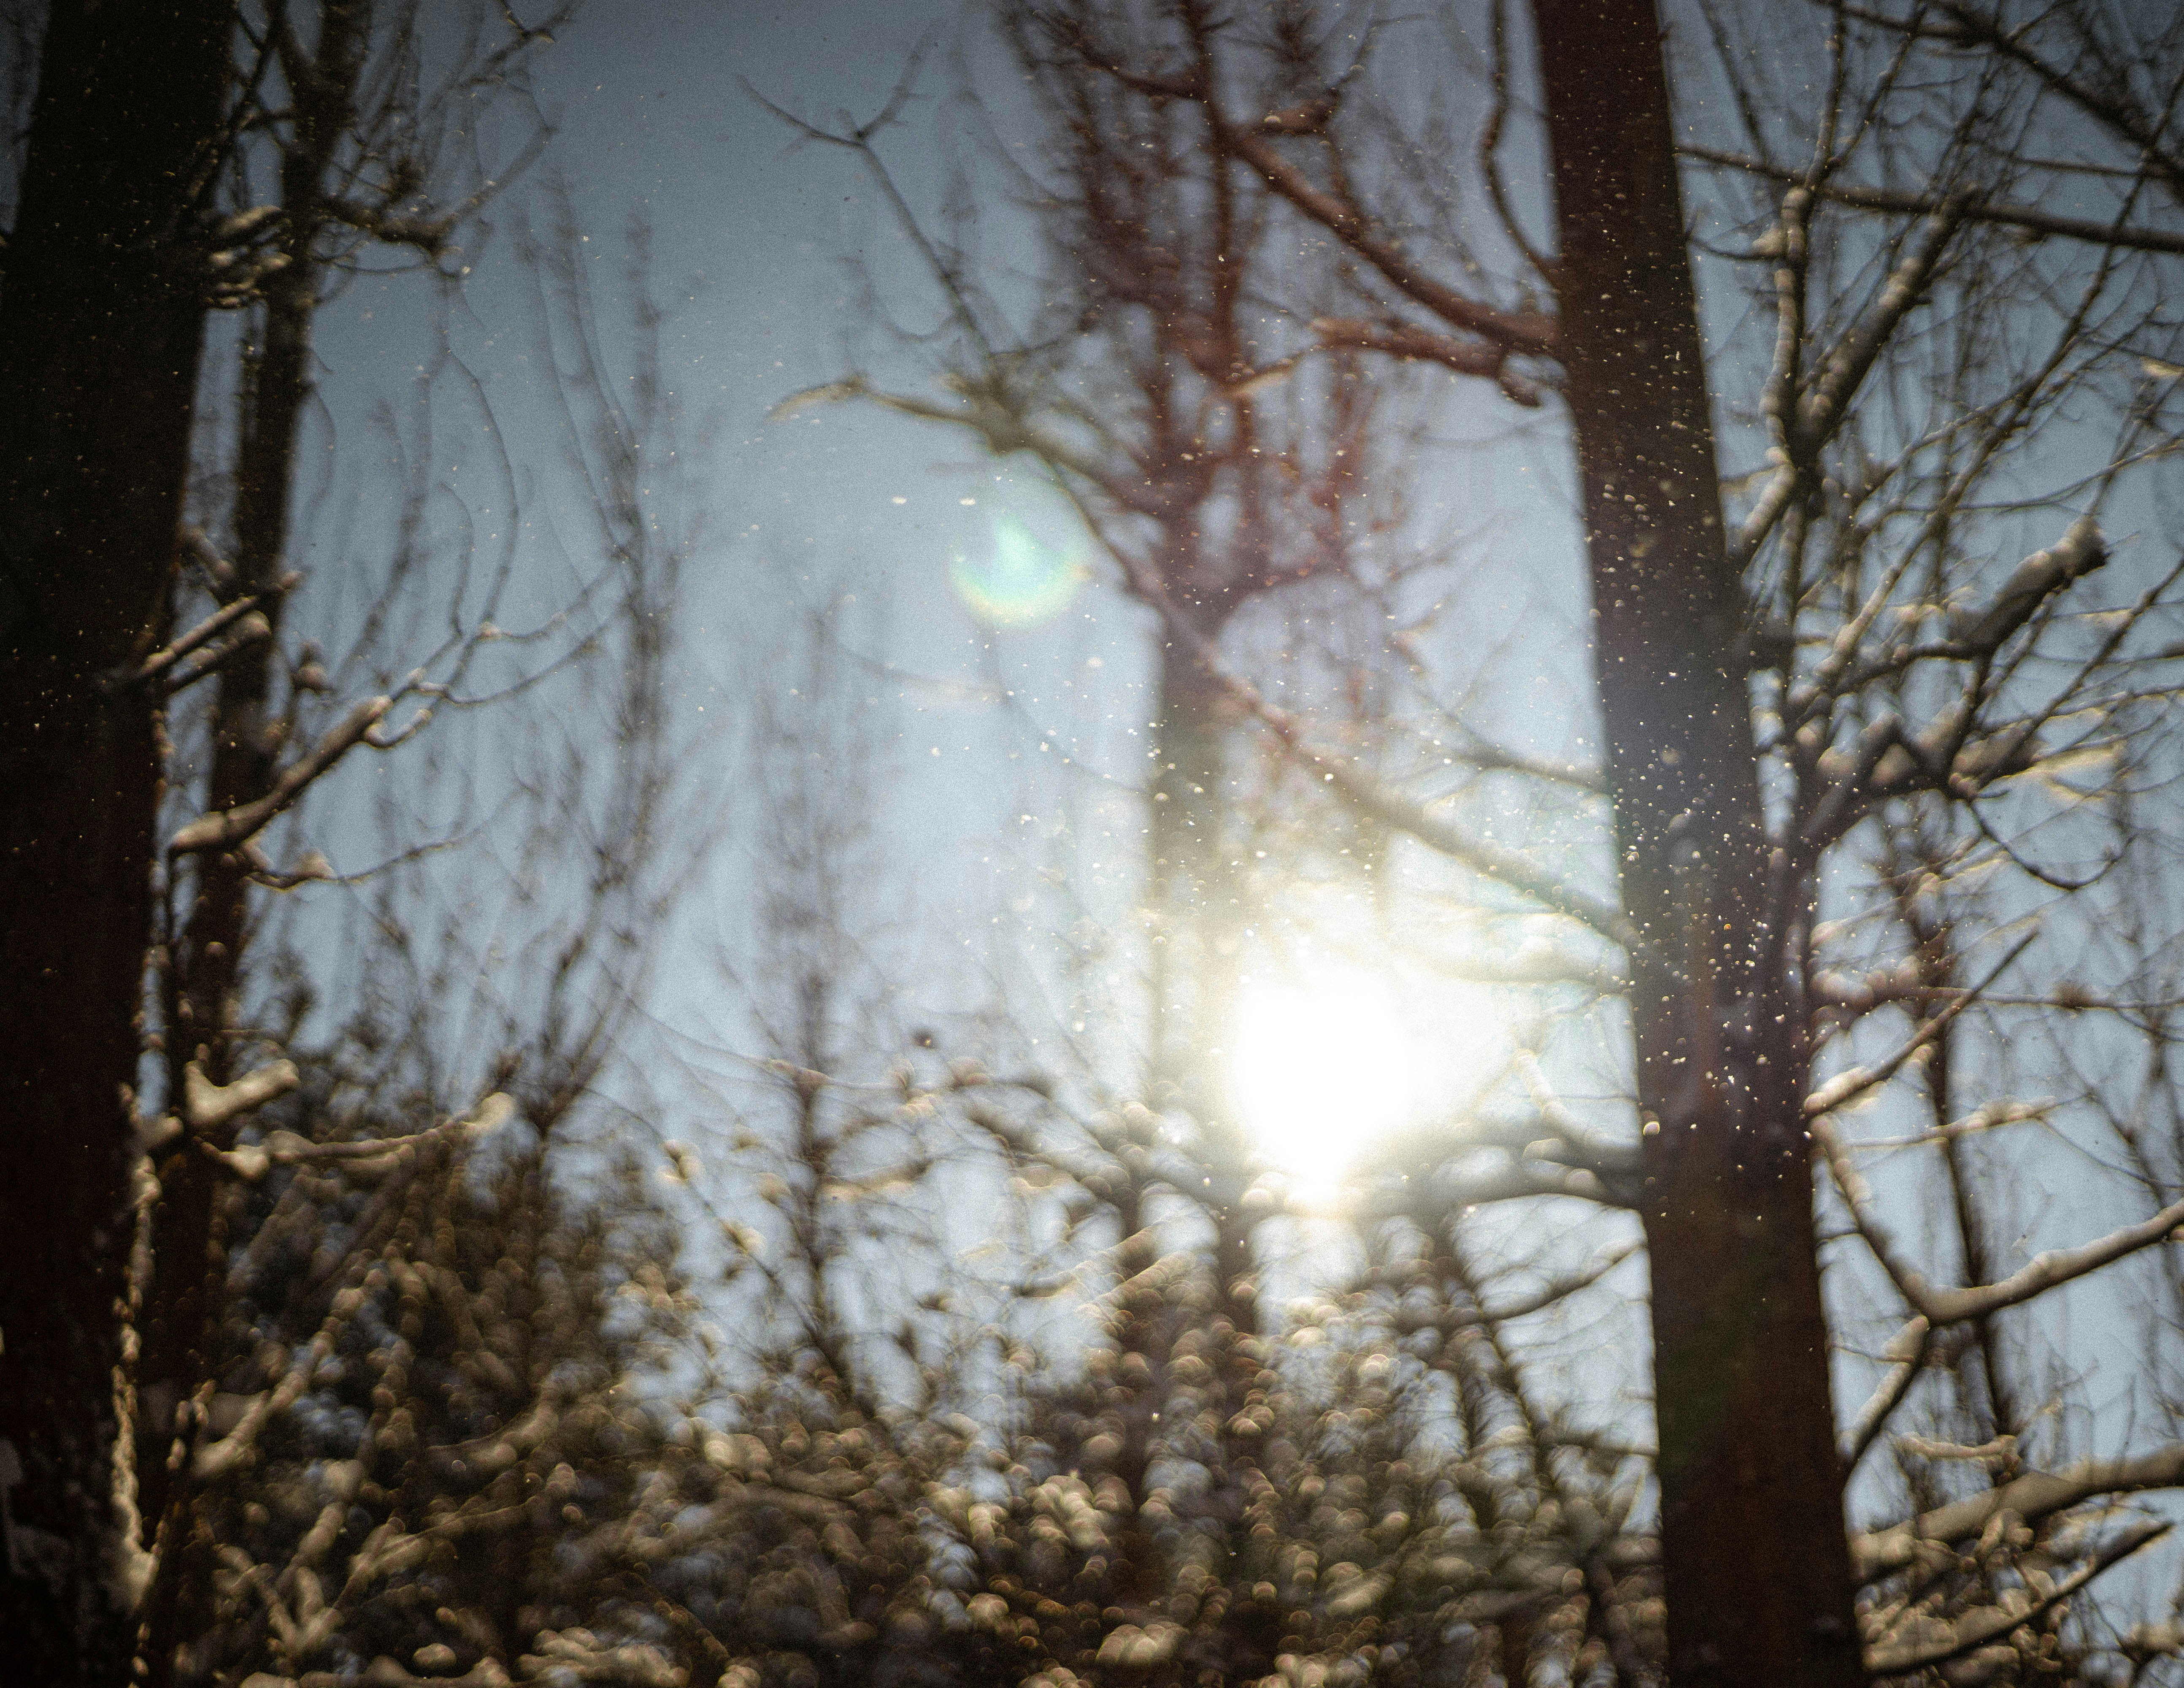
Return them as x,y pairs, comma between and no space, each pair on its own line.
353,125
1159,378
1032,1462
785,1536
424,1384
99,342
1812,665
1156,377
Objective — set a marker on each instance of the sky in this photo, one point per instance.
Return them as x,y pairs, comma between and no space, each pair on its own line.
988,736
996,761
754,241
767,250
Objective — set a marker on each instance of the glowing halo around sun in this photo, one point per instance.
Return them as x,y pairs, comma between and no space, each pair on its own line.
1321,1068
1020,582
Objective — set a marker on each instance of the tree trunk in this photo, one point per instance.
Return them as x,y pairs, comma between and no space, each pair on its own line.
100,330
1195,898
1198,901
1755,1559
188,1258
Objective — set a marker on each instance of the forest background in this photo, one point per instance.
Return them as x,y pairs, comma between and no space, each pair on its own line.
615,1271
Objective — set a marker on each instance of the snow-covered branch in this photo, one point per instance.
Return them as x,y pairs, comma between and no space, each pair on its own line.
207,1106
367,1155
1941,1305
228,827
2033,1497
1821,407
1921,1641
1853,1082
1905,1358
242,615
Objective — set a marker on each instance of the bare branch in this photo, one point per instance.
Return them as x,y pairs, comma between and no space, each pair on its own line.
1934,1641
1510,331
208,1106
2031,218
1400,340
1906,1355
229,827
2036,1496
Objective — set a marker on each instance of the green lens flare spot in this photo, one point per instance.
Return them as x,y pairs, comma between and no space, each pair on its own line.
1020,582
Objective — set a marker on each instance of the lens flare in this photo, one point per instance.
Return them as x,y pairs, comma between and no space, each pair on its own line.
1020,582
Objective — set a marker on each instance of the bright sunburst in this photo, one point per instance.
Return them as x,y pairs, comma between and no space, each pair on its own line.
1321,1068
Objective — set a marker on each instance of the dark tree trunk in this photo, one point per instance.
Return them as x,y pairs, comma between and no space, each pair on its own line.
100,329
1755,1554
205,974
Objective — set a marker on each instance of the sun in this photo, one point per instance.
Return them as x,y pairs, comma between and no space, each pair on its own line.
1321,1068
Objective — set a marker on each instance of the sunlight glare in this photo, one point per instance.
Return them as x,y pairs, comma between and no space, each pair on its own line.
1320,1069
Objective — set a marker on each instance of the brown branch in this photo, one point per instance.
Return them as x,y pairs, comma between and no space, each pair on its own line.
1401,340
1513,331
2002,213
